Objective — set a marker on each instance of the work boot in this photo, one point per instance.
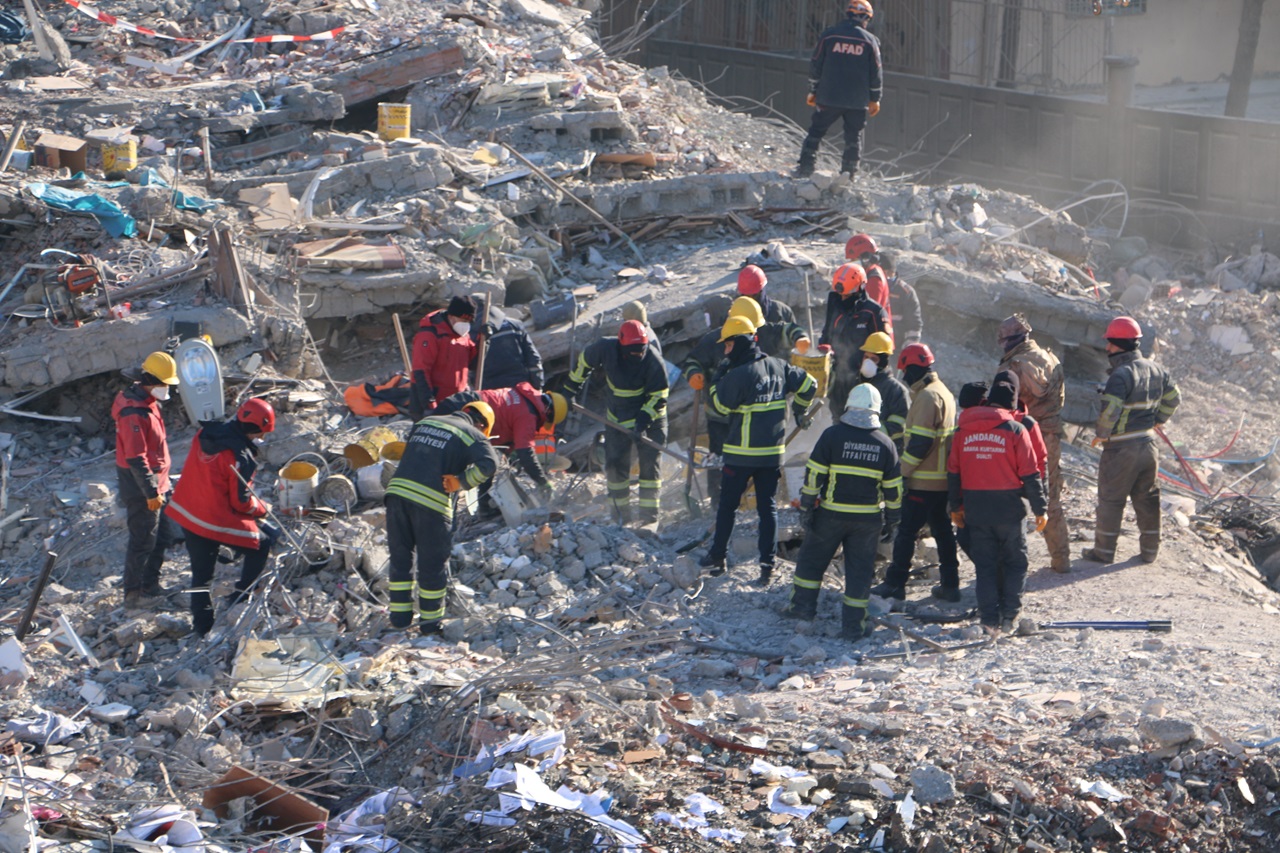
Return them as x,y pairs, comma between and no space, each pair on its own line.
803,604
1009,624
648,517
946,593
766,574
137,599
890,590
804,170
1060,568
429,627
624,515
854,625
1093,555
1149,555
715,565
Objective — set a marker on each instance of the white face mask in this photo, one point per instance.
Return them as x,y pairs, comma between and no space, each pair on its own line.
463,328
259,441
160,392
869,367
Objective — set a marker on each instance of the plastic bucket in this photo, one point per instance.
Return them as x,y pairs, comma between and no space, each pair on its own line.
369,482
120,156
553,311
298,481
392,451
367,449
393,121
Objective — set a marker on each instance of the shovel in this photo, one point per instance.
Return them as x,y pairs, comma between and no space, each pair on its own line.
648,442
691,503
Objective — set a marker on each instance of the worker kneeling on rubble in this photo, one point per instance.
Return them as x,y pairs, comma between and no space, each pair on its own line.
992,467
753,393
1139,396
215,504
142,472
853,467
637,401
443,454
519,413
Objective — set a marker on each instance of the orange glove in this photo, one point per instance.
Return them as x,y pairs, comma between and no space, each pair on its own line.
957,518
873,109
802,345
1041,521
697,381
811,100
451,484
155,503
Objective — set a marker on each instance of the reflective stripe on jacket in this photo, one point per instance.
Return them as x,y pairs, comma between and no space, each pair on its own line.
931,422
754,398
442,445
635,384
853,469
214,496
1139,396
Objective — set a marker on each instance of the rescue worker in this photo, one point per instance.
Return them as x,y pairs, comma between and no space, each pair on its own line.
779,333
635,310
443,454
930,423
851,318
637,401
894,396
1139,396
518,412
862,249
215,504
1041,393
142,475
706,362
906,316
511,358
752,393
853,468
443,350
990,470
971,394
844,83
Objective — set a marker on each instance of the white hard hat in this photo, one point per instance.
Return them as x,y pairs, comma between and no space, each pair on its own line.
864,396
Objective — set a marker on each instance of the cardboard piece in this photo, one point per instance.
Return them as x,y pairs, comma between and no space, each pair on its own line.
276,809
53,151
271,206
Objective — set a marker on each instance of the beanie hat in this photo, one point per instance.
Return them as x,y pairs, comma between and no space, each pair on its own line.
972,394
1004,390
460,306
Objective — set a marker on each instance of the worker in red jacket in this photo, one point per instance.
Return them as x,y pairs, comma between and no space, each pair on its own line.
142,473
442,353
215,504
992,467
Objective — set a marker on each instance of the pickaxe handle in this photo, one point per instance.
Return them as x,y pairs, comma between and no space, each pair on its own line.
601,419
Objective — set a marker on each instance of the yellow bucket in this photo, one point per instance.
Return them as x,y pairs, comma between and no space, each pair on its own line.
297,482
817,366
368,449
120,156
392,451
393,121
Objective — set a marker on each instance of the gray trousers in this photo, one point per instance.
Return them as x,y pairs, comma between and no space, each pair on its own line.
1127,471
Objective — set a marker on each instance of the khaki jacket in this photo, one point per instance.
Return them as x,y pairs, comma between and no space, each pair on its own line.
1040,382
931,420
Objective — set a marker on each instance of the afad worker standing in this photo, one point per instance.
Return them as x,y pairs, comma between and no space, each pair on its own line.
752,394
853,468
844,83
215,504
636,401
1139,396
443,454
142,474
851,319
442,354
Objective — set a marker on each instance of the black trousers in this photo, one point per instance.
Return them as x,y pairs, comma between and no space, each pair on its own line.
733,486
411,528
150,534
999,554
717,432
823,118
918,509
204,560
617,470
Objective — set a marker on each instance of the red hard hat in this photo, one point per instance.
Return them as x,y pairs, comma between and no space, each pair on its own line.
849,278
859,245
918,354
257,413
633,333
1124,329
751,280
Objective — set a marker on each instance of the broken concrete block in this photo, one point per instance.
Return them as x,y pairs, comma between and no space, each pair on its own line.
1229,281
1137,291
1168,731
932,784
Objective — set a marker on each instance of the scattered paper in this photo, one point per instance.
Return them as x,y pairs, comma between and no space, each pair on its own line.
760,767
907,809
778,807
1102,790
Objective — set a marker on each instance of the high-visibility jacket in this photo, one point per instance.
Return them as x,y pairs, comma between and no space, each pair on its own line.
992,467
214,496
635,384
142,446
440,360
439,445
753,395
852,469
1041,387
1139,396
931,421
895,400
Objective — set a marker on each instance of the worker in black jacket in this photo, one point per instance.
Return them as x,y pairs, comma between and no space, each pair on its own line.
844,83
511,358
853,468
753,393
637,401
895,399
907,319
443,454
851,318
778,334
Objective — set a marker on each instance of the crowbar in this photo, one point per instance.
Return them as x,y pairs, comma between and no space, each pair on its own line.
1162,626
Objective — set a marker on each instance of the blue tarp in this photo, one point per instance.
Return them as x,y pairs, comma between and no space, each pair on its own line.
182,201
113,218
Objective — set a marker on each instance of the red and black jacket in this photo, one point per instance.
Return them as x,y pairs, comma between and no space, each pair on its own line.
142,446
440,363
992,467
518,414
848,325
210,500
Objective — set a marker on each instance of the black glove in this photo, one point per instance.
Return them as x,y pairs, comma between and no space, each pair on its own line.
644,420
803,419
488,330
808,506
572,390
271,532
889,531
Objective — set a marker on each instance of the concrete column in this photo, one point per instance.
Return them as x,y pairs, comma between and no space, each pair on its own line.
1122,74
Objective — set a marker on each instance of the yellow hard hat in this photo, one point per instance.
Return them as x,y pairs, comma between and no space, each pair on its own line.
162,366
736,326
559,406
879,343
745,306
486,414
